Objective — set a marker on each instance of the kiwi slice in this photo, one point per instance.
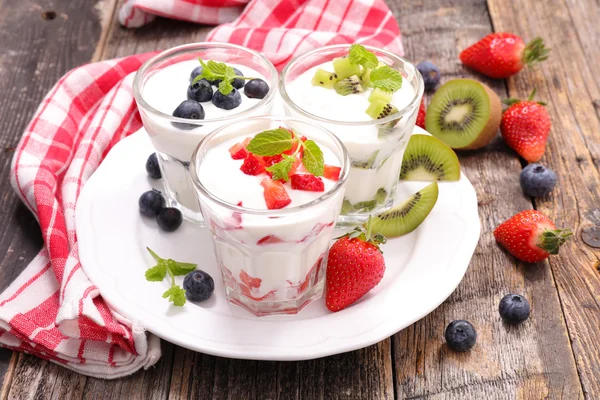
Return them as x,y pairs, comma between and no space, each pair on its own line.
380,109
350,85
380,95
365,78
464,114
368,164
324,78
407,216
344,68
429,159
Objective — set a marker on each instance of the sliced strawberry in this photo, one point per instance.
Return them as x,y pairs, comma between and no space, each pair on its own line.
275,194
307,182
253,283
270,160
269,239
331,172
293,149
421,115
246,292
238,151
253,165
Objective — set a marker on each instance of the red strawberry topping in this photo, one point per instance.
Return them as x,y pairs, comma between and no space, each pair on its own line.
307,182
253,165
331,172
275,194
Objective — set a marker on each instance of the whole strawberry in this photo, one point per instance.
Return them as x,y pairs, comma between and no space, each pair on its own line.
530,236
500,55
354,267
525,127
421,115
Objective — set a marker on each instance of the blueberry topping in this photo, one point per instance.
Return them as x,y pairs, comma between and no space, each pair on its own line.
256,89
152,167
151,202
431,74
514,308
460,335
227,102
198,285
537,180
189,109
200,91
197,71
237,82
169,219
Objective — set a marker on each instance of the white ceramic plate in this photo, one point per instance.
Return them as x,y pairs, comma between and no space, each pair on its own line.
423,269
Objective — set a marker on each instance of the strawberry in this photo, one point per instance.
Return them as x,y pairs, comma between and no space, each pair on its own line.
270,160
530,236
238,151
307,182
331,172
275,194
500,55
269,239
354,267
297,167
525,127
253,165
252,283
421,115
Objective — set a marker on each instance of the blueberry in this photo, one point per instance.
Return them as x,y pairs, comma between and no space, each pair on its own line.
200,91
460,335
198,285
237,82
431,74
197,71
189,109
227,102
151,203
537,180
152,167
169,219
256,89
514,308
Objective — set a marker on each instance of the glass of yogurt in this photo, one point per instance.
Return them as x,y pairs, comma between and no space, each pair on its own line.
271,238
177,113
374,124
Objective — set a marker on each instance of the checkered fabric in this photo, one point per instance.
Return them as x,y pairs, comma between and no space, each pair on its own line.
52,310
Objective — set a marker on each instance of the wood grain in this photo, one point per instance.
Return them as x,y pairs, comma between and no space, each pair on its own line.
568,81
531,361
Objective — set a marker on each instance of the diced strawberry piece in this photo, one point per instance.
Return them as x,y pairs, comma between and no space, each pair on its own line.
293,149
247,141
238,151
307,182
269,239
253,165
275,194
246,292
297,168
331,172
270,160
253,283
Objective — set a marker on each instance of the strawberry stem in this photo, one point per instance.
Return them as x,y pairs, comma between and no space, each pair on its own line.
535,51
550,240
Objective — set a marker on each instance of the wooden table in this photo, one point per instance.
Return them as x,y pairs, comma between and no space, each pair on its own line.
556,354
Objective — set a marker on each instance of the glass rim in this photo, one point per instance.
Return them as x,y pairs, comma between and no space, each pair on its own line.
345,171
306,114
142,103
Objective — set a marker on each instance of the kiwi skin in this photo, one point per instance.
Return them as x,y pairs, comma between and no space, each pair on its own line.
491,127
443,164
395,222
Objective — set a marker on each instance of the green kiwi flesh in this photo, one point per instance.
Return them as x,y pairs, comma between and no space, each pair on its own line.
350,85
380,109
380,95
324,78
464,114
344,68
429,159
407,216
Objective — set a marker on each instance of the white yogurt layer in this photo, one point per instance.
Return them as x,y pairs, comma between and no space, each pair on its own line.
364,142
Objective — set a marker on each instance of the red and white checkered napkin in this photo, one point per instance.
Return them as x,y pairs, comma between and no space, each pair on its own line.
52,310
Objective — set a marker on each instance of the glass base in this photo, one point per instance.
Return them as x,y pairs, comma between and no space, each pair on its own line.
351,220
263,308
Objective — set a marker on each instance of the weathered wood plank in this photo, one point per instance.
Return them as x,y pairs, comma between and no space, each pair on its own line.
37,47
568,81
530,361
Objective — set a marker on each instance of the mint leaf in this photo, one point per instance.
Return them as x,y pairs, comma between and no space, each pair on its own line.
225,87
312,159
180,268
217,68
281,170
271,142
386,78
359,55
154,255
156,273
176,295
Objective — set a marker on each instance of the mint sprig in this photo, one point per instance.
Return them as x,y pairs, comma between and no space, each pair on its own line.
164,267
213,70
359,55
387,78
276,141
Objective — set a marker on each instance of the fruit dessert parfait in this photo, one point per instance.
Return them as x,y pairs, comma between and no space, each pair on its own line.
187,92
271,189
369,98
